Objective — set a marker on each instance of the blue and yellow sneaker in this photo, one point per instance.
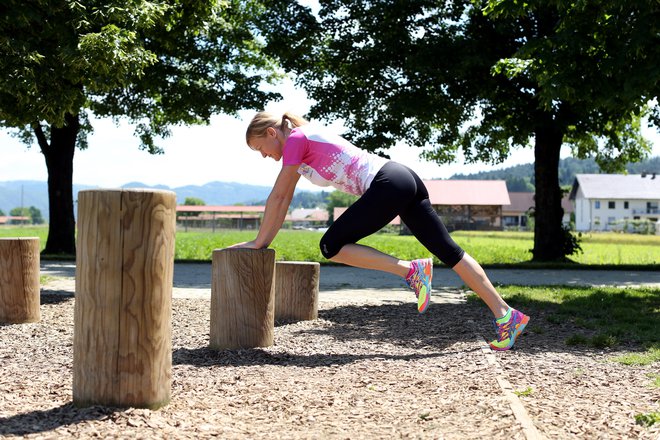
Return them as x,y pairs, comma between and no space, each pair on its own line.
508,328
419,279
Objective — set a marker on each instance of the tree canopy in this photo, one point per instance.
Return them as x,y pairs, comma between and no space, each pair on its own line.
156,64
486,77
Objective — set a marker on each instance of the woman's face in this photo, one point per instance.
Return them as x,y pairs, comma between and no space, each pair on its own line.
269,145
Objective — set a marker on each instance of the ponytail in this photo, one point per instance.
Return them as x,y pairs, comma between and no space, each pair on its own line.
263,120
292,121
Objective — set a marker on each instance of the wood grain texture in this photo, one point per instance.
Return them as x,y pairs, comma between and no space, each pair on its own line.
123,309
19,280
296,290
242,298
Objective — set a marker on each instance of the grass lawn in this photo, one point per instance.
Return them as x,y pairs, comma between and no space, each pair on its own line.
599,317
489,248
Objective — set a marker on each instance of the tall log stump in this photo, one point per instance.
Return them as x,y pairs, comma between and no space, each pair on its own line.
122,341
242,298
296,291
19,280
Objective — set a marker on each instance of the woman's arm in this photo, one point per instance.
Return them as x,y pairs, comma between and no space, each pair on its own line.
277,206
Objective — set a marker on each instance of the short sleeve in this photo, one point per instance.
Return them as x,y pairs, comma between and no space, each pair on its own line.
294,148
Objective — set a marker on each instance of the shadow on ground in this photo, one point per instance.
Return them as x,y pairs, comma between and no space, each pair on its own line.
48,420
363,328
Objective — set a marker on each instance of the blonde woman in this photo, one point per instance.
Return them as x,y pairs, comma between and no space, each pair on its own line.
386,189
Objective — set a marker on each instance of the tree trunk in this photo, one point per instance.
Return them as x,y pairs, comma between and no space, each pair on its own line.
59,163
548,234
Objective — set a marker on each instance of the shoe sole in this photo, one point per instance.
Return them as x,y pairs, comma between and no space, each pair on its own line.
421,308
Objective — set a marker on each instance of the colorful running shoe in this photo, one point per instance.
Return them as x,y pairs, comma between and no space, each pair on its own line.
419,279
508,328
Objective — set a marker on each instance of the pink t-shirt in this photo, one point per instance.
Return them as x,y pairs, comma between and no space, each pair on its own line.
328,159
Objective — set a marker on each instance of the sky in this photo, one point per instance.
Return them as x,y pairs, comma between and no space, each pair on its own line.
201,154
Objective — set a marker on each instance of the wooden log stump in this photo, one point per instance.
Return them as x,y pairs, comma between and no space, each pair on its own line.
19,280
296,291
242,298
122,342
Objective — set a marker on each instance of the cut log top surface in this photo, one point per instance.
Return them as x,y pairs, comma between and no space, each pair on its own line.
18,238
145,190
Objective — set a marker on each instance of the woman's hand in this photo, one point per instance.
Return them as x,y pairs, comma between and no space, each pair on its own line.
245,245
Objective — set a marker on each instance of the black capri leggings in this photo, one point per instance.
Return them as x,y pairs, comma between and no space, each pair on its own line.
395,190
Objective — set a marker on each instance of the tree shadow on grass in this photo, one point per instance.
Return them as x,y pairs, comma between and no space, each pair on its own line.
579,319
51,419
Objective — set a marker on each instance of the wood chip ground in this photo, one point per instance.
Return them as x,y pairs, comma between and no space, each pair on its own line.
363,370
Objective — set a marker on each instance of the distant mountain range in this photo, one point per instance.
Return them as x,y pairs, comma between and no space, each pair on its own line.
28,193
14,194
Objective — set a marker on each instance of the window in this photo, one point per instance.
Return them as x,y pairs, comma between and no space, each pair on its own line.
611,205
625,205
597,204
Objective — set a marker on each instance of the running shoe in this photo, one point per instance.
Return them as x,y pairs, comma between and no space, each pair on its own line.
508,328
419,279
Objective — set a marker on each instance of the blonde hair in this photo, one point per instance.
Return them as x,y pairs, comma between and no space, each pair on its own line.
263,120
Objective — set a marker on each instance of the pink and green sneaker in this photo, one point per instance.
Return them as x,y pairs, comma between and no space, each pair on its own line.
419,279
508,328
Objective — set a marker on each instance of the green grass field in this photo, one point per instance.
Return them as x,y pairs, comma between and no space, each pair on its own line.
489,248
601,317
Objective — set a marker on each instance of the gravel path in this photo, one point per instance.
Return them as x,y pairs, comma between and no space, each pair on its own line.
369,367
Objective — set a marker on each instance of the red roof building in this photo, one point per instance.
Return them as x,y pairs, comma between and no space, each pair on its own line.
469,204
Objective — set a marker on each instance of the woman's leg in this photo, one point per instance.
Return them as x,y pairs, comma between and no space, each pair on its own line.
475,278
391,191
366,257
427,227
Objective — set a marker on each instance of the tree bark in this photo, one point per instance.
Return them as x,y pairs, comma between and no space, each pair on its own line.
59,163
548,234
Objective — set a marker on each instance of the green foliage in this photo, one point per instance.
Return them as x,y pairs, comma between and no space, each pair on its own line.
648,419
193,201
520,178
309,199
338,199
157,64
525,393
571,241
34,214
644,358
481,78
20,212
171,63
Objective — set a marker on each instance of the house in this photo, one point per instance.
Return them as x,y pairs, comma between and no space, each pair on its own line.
515,214
301,218
464,204
469,204
523,205
14,220
237,217
606,202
